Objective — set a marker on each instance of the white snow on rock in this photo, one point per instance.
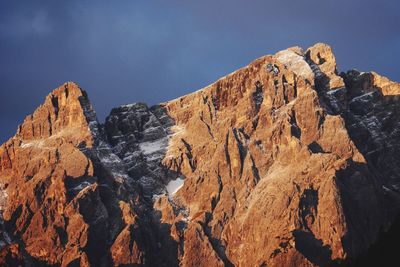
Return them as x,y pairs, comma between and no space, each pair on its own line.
386,189
363,97
81,186
110,160
334,91
129,105
174,185
153,146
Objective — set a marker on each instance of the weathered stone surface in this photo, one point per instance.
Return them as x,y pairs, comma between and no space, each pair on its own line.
139,136
272,175
64,189
323,62
283,163
266,161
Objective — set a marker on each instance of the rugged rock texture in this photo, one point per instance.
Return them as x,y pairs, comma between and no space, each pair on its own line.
282,163
139,136
282,169
67,198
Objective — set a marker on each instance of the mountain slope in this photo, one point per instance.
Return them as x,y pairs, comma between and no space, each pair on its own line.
281,163
68,198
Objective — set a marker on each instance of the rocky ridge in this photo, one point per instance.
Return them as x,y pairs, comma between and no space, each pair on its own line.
284,162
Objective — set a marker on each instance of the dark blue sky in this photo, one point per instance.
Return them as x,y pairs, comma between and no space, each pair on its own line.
153,51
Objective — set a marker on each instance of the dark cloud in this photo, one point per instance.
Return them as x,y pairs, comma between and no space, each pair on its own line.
127,51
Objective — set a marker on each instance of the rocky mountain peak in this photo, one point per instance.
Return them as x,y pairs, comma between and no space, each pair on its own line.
66,112
281,163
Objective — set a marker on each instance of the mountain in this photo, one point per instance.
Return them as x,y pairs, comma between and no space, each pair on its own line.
284,162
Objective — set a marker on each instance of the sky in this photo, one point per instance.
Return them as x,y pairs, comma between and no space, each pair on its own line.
128,51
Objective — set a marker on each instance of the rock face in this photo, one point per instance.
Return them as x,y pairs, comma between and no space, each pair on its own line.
139,136
281,163
67,198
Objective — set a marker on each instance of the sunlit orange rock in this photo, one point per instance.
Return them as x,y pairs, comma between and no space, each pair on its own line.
284,162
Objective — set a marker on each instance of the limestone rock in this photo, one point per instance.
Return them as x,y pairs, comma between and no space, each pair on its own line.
62,185
280,163
323,61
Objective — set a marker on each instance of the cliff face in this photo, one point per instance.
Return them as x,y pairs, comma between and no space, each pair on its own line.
281,163
67,199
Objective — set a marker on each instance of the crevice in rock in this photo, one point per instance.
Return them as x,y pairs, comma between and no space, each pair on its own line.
254,123
210,111
54,101
308,207
205,98
255,171
62,233
315,148
240,141
258,96
227,156
66,91
276,83
207,125
294,128
321,121
215,200
189,154
285,91
50,124
320,59
216,99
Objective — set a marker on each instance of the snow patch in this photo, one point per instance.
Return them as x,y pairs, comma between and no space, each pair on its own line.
397,187
386,189
362,96
110,158
174,185
334,91
111,161
153,146
129,105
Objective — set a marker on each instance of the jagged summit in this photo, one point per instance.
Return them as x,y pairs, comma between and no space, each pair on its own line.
66,111
284,162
